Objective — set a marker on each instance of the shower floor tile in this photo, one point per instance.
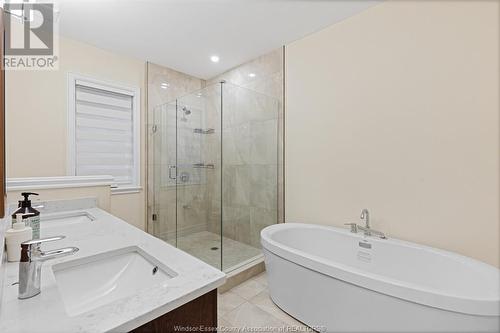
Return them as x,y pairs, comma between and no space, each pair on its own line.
206,246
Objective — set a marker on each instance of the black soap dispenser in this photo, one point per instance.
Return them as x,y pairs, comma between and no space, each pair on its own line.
31,216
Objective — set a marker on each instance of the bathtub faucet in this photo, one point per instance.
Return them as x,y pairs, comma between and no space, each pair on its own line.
371,232
367,231
365,215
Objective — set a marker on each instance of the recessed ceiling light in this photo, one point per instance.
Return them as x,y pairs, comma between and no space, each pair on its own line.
199,95
164,85
214,58
252,75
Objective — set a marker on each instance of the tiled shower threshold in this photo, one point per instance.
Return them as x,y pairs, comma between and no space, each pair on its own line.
206,246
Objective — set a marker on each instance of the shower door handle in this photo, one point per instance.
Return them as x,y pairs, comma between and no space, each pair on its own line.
170,168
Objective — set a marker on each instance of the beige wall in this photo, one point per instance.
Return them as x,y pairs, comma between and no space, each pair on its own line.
36,116
397,110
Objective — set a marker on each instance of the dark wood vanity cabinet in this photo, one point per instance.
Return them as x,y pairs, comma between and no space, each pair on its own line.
200,314
2,120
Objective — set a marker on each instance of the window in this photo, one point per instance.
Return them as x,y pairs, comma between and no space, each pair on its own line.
103,131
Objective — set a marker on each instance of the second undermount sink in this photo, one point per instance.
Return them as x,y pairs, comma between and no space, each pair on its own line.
65,218
91,282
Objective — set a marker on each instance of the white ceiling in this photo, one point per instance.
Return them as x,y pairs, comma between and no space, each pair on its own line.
183,34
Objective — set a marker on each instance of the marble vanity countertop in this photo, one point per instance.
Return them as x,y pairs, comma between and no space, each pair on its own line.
46,312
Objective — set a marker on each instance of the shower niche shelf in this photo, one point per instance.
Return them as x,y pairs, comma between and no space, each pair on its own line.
203,166
204,131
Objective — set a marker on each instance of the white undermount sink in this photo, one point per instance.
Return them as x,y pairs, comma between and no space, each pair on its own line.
91,282
65,218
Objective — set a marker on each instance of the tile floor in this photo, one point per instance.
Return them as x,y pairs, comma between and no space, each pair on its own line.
249,305
200,245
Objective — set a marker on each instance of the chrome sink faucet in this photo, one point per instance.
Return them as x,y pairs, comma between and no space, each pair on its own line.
367,230
30,265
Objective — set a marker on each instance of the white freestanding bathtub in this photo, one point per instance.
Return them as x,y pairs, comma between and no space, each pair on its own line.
344,282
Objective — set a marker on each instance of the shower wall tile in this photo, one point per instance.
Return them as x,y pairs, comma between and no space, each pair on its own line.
179,84
265,108
252,124
214,219
242,106
272,85
165,230
264,141
166,196
236,145
236,223
259,219
236,185
263,189
191,210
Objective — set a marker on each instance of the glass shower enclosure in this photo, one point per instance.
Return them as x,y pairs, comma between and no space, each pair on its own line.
215,168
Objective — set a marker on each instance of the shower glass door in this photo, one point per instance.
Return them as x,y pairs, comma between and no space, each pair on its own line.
215,161
163,192
198,171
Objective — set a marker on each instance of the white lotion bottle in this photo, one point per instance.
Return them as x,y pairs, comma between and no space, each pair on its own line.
15,236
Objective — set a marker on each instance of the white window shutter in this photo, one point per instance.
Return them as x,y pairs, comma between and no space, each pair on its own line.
104,134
